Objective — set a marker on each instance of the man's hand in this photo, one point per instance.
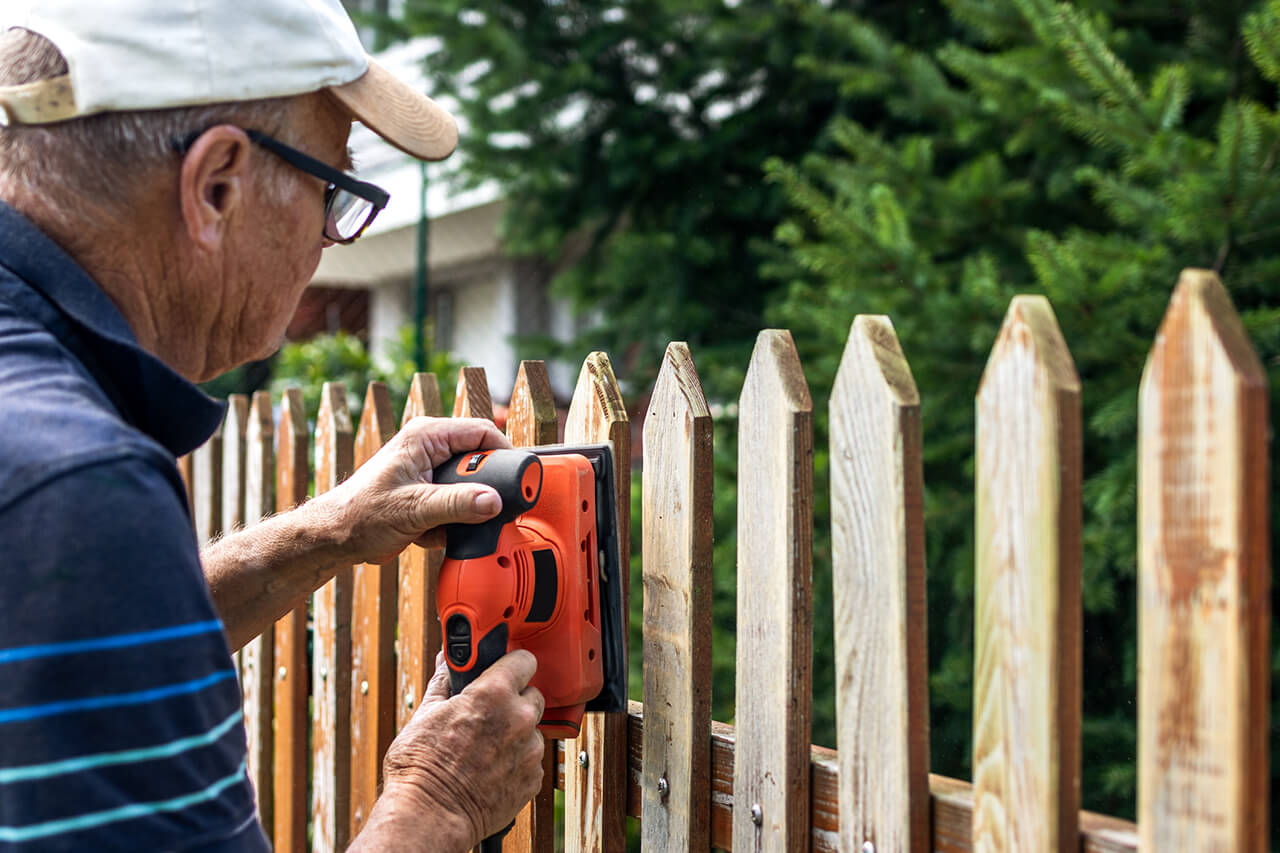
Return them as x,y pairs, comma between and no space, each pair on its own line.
390,502
476,756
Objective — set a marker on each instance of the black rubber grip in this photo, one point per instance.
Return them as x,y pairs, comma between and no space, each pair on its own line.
504,471
492,646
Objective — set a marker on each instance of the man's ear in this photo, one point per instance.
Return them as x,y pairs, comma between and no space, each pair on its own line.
211,183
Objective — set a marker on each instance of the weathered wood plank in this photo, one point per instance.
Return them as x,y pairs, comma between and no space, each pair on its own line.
235,426
373,636
472,398
773,695
531,420
1204,580
185,472
258,656
878,579
531,415
206,488
292,685
418,639
595,803
676,520
1026,721
331,670
951,800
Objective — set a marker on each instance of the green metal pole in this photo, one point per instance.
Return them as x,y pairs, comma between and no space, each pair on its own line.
420,278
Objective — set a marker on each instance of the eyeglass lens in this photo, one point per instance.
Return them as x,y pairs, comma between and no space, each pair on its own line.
348,214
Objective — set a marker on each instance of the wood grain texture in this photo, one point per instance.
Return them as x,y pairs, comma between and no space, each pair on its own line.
472,397
878,581
951,800
206,488
331,669
677,571
595,801
531,420
235,426
258,656
373,635
184,471
1026,722
1204,580
531,414
418,637
293,678
773,695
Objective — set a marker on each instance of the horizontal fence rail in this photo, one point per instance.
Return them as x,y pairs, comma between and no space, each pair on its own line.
327,689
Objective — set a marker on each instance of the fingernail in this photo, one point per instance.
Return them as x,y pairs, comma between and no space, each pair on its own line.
487,502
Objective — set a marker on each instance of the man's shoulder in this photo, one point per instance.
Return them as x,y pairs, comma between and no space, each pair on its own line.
53,417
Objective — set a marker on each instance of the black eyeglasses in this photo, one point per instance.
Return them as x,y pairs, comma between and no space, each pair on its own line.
350,205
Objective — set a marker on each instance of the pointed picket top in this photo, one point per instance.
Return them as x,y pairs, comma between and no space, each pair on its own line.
418,639
772,705
1203,581
878,582
472,397
331,669
206,487
291,688
373,635
531,415
596,795
258,656
675,779
1026,721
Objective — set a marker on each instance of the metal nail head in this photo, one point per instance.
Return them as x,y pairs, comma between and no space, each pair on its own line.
324,673
364,688
664,787
408,699
757,814
282,672
583,760
868,847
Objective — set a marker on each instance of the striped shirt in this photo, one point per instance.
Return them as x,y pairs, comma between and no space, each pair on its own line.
120,720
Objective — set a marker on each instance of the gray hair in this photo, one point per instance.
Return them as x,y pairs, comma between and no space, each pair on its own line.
101,159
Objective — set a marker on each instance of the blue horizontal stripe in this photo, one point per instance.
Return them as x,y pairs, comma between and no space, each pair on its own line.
117,641
32,712
128,756
89,821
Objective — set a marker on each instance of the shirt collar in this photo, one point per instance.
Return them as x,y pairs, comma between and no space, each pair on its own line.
148,394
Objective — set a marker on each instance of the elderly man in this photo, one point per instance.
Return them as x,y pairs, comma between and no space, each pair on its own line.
170,173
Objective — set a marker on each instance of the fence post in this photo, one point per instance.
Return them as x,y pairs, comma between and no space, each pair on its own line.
1204,580
531,420
472,398
258,656
373,636
331,688
775,602
878,581
1026,715
595,795
676,773
418,639
292,677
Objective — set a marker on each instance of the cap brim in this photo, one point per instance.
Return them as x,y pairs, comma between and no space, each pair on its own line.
400,114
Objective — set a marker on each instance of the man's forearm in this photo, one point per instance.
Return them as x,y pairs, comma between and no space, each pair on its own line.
258,574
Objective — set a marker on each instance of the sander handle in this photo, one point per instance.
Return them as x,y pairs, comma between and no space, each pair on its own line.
516,475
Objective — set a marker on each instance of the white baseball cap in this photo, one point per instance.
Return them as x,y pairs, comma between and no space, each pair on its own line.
155,54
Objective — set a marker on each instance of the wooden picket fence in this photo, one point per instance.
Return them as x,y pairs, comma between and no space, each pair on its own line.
760,786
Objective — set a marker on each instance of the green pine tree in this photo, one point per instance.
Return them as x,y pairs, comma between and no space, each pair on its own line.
1087,151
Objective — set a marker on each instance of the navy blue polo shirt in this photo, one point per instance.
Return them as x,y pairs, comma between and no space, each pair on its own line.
120,715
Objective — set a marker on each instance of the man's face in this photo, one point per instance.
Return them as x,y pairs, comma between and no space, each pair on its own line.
277,247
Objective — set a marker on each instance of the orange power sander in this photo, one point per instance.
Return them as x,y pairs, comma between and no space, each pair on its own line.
544,575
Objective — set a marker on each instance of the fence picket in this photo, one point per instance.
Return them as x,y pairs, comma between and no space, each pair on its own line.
1026,717
595,795
373,635
206,488
292,685
1204,576
878,580
775,601
472,398
675,779
531,420
258,655
234,428
418,638
331,688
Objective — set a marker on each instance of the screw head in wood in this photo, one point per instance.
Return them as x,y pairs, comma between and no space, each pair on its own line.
664,787
868,847
408,699
583,760
282,672
757,814
364,688
324,673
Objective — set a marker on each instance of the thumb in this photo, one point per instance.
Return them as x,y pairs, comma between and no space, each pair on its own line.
454,504
438,687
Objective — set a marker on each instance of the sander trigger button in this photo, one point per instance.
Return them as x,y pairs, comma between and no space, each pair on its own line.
457,632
